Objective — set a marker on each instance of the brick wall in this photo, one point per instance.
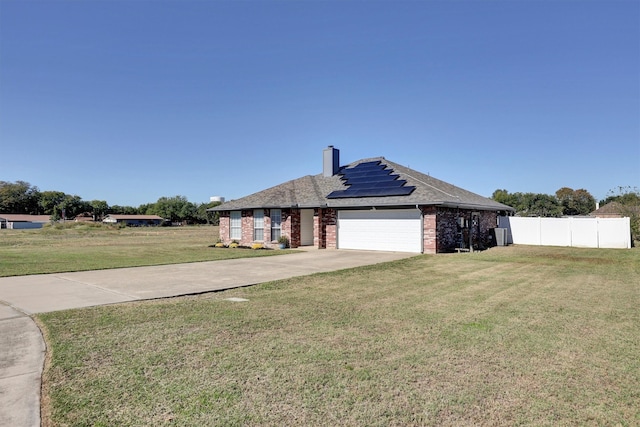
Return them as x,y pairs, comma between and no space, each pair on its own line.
478,230
448,229
488,221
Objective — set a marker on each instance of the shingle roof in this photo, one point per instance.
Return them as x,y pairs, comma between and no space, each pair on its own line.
615,208
311,191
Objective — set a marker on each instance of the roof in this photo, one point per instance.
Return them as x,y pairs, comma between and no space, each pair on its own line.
134,217
24,218
615,208
312,190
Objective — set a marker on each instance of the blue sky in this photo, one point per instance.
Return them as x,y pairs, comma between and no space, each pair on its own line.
130,100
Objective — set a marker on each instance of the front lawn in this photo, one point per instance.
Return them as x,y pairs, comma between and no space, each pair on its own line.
510,336
81,247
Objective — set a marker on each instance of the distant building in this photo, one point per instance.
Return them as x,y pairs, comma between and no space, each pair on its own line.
20,221
134,220
84,217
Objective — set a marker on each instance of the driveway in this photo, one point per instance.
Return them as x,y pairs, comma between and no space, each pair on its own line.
22,348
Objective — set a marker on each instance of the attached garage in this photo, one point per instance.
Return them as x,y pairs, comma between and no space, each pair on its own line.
398,230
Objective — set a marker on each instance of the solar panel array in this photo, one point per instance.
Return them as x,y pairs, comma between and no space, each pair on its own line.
371,179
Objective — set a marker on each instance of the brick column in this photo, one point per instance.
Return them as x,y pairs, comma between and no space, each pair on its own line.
247,228
330,219
224,231
294,237
318,229
430,235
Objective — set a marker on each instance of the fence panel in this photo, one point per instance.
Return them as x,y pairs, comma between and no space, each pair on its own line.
555,233
584,232
572,231
614,232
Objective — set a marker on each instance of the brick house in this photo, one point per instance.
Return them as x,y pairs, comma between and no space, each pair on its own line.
370,204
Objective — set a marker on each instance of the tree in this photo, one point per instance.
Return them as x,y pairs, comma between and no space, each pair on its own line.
627,200
529,204
174,209
50,202
203,216
123,210
73,206
538,204
18,197
98,208
575,202
628,196
503,196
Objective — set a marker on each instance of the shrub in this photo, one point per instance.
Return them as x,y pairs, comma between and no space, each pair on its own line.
284,240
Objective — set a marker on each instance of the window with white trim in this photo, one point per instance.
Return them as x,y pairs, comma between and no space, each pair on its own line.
235,225
276,224
258,225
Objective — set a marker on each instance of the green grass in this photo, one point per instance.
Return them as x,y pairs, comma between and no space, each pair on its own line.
510,336
85,247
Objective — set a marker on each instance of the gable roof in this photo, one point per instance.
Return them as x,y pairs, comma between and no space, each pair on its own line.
312,190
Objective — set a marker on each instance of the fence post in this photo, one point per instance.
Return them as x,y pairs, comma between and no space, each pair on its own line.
539,231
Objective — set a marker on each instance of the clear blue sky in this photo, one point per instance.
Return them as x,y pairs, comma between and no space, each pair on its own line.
127,101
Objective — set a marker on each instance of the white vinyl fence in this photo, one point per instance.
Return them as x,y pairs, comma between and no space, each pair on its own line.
583,232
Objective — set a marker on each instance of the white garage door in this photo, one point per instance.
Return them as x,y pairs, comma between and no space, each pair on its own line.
398,230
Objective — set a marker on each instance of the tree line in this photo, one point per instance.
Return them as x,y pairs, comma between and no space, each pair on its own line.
565,202
20,197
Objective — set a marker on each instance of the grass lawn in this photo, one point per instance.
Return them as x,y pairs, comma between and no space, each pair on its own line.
86,247
510,336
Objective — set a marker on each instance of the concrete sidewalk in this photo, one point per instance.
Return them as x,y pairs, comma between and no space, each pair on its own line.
22,348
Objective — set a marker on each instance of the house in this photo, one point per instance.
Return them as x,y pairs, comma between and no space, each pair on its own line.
20,221
616,210
370,204
134,220
84,217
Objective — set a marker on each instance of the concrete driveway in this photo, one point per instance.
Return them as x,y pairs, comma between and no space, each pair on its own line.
22,348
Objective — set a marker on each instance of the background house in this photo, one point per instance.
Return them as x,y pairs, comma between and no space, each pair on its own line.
616,210
134,220
20,221
370,204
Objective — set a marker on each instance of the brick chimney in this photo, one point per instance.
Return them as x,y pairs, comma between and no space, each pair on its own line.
330,161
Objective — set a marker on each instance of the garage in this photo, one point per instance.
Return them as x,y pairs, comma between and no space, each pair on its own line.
398,230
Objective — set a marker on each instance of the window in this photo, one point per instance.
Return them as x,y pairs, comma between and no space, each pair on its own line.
276,224
258,225
235,225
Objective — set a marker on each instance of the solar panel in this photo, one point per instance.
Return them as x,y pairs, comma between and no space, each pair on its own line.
371,179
